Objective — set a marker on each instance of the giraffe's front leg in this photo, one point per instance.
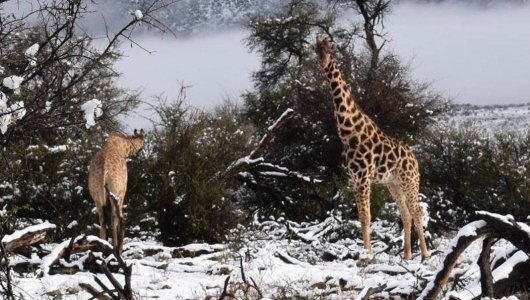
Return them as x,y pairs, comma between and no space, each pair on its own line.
362,189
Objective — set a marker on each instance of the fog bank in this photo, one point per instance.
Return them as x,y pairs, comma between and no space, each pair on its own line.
473,54
214,67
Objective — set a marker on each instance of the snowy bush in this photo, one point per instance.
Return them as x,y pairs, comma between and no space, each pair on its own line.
180,178
48,178
465,169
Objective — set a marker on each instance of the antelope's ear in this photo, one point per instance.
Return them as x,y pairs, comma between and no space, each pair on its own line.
142,132
135,131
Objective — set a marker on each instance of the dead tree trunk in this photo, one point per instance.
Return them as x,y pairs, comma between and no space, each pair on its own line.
118,292
6,287
484,262
26,237
467,235
492,226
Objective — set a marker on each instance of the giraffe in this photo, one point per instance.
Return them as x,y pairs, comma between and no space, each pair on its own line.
369,157
108,174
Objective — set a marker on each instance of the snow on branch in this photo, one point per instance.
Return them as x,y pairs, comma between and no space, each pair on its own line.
251,159
79,244
92,110
279,171
26,237
503,277
314,232
259,167
286,258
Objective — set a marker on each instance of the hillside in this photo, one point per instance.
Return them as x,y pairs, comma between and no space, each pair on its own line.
491,118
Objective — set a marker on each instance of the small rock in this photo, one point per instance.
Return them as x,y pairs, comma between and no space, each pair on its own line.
151,252
54,293
224,271
328,256
73,290
319,285
342,283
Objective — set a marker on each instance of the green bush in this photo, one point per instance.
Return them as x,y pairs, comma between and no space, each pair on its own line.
46,176
466,169
182,180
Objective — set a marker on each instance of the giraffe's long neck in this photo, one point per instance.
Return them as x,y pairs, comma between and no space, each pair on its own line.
347,113
119,146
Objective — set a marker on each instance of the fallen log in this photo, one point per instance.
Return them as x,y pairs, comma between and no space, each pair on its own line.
26,237
492,226
467,235
518,277
80,244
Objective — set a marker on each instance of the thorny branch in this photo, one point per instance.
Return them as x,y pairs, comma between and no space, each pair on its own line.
6,285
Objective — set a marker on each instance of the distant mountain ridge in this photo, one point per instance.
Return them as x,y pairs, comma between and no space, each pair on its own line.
187,17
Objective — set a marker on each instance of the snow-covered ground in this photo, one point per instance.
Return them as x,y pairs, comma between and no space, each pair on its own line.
275,261
281,259
492,118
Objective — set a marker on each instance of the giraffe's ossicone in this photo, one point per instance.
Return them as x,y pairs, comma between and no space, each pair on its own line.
108,176
371,157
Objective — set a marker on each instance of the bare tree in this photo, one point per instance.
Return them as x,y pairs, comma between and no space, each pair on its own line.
50,67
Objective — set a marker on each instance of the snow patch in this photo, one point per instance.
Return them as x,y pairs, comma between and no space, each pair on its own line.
93,109
9,115
32,51
19,233
138,15
13,83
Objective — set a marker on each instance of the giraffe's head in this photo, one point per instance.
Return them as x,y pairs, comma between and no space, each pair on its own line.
137,141
126,145
323,49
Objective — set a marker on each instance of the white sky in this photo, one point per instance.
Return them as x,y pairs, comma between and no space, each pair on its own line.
215,66
475,55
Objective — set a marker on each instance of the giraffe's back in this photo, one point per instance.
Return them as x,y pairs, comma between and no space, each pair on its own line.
379,156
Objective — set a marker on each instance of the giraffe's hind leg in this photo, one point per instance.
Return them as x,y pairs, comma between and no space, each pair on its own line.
400,199
97,191
102,225
116,223
411,194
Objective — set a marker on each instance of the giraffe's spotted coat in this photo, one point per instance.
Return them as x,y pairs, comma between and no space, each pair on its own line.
108,173
371,157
